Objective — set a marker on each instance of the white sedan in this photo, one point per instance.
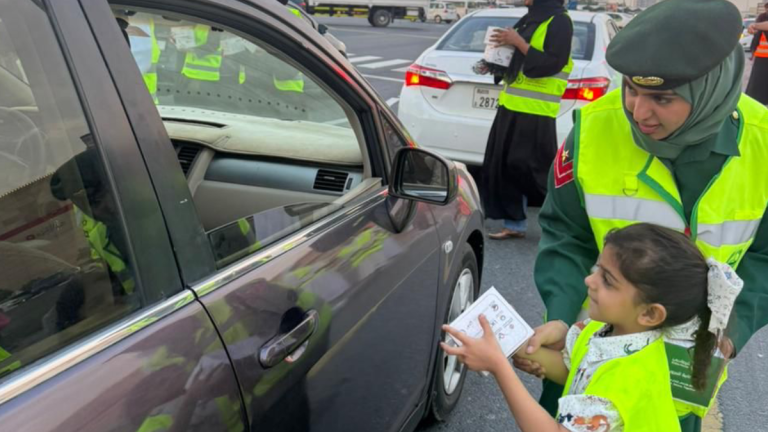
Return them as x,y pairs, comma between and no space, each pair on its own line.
448,108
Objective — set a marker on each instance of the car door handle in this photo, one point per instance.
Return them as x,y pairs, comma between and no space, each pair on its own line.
281,346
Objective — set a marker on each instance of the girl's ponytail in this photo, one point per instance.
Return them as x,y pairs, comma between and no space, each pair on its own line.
703,351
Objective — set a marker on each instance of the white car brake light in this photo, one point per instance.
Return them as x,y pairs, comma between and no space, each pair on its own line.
417,75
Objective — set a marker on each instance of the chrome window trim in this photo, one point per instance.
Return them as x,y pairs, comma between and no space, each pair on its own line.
58,362
250,263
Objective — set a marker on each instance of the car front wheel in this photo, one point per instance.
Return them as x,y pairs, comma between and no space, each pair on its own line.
450,374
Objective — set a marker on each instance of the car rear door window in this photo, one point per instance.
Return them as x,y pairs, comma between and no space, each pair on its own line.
65,265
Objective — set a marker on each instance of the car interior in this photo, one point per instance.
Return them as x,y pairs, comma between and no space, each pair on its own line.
263,135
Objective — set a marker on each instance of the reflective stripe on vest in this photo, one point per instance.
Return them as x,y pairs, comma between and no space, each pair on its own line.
150,77
645,401
539,96
102,248
203,67
762,47
637,187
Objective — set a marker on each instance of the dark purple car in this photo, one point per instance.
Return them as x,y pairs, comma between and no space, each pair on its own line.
209,221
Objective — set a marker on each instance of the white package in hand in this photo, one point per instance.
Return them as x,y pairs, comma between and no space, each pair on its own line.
501,55
508,326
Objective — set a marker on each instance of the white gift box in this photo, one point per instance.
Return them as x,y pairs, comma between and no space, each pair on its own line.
497,55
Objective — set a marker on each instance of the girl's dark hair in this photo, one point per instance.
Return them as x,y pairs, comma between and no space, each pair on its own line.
667,268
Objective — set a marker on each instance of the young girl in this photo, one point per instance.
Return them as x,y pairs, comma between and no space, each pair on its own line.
614,367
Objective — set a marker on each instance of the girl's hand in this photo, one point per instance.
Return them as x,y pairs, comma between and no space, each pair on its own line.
551,335
483,354
507,37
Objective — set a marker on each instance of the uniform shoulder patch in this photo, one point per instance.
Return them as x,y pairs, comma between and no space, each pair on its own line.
563,167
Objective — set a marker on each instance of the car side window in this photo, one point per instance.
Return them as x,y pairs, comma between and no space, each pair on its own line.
394,141
278,149
65,267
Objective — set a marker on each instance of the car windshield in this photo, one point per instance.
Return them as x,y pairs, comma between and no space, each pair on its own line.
206,67
469,34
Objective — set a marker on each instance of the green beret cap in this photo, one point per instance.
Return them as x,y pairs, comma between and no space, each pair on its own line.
675,41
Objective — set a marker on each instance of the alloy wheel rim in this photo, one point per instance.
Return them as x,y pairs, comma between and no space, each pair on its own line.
463,296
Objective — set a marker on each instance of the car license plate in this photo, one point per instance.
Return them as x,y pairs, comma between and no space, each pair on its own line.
485,99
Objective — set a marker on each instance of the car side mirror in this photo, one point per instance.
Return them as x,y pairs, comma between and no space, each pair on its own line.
322,29
420,175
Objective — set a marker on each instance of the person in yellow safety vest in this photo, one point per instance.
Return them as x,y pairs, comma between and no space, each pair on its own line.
147,64
150,76
523,140
294,82
649,281
203,62
79,181
677,145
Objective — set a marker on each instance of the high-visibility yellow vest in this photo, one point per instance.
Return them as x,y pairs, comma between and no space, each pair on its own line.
102,248
205,67
637,384
621,185
156,423
4,355
539,96
291,85
150,77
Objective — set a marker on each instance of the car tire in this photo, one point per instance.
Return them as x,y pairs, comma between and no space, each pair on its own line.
446,388
438,19
381,18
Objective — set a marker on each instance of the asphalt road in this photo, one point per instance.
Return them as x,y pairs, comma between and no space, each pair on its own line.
381,55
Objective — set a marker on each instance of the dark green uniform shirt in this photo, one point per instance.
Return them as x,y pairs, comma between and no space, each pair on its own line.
567,249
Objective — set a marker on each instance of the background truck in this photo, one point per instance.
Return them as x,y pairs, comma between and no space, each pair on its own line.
379,13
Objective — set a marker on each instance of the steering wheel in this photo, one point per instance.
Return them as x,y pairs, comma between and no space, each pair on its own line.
22,149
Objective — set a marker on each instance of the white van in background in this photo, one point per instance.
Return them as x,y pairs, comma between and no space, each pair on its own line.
464,8
442,12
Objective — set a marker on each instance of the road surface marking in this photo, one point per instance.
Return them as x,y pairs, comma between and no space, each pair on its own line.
385,63
401,70
339,29
392,101
363,59
384,78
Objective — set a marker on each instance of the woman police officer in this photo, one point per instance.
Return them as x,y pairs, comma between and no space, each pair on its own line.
680,146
